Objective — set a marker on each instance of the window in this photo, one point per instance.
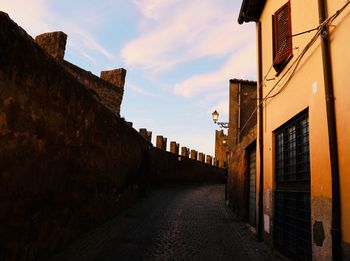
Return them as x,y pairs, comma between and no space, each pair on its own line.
292,215
282,41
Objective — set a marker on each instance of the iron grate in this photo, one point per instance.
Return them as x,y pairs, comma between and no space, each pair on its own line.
292,223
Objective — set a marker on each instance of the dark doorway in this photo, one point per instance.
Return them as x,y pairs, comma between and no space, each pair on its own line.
252,185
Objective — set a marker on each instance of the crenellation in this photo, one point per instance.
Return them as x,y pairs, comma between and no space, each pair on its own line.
193,154
174,147
115,77
208,160
146,134
108,89
60,119
201,157
54,43
185,152
161,142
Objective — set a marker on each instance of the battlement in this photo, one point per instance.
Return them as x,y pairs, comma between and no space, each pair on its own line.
109,87
54,43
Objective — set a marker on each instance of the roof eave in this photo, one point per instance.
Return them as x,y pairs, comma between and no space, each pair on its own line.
250,11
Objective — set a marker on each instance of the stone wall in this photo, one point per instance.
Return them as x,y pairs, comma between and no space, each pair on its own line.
241,137
67,161
221,148
54,43
167,168
108,89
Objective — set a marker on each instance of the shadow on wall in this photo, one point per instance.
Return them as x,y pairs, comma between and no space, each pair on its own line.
68,162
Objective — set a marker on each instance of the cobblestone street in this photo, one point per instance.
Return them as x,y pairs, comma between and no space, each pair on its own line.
187,223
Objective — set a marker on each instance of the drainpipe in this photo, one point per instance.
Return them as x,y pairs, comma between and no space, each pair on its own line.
261,139
332,134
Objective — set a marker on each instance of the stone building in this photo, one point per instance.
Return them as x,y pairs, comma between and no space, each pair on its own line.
221,148
242,149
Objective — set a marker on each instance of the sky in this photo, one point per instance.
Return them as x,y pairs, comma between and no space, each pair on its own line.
179,56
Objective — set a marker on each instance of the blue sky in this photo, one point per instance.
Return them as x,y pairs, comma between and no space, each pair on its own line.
179,55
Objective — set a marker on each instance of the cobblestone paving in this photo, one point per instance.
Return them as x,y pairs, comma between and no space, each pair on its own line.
188,223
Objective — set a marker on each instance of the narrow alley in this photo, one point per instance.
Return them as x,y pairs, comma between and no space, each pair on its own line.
186,223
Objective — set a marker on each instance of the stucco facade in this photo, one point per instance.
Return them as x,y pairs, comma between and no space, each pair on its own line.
300,88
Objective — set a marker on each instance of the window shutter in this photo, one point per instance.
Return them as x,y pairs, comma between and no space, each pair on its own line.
282,42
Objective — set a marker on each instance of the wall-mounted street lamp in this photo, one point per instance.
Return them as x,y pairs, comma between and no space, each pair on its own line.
215,115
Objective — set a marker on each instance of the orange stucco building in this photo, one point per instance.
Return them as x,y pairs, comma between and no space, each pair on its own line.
303,133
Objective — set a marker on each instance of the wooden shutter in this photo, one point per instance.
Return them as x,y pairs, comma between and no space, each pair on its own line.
282,42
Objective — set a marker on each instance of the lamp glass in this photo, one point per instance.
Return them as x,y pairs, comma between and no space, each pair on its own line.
215,115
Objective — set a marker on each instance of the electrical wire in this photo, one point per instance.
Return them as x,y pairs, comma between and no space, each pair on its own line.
296,62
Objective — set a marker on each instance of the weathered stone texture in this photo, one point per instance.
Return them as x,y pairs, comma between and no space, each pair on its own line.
115,77
161,142
241,135
174,147
201,157
209,159
194,155
108,94
109,90
221,148
167,169
67,162
238,180
53,43
185,152
146,134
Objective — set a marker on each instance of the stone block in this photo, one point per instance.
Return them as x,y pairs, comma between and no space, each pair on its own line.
53,43
201,157
193,154
115,77
185,152
208,159
146,134
161,142
174,147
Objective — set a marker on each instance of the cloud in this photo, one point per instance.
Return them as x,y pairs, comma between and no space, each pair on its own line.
39,18
241,64
180,31
33,16
83,41
138,90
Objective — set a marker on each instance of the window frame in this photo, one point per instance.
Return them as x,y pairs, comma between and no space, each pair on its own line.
282,59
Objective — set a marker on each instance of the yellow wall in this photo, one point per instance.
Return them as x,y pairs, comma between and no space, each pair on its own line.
299,95
340,41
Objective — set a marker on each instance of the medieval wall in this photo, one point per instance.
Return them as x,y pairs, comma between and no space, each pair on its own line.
109,88
167,168
67,161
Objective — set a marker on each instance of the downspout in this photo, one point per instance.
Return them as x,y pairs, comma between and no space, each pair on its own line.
332,133
261,139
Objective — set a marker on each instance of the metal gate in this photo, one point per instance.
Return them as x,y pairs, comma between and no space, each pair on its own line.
252,185
292,211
